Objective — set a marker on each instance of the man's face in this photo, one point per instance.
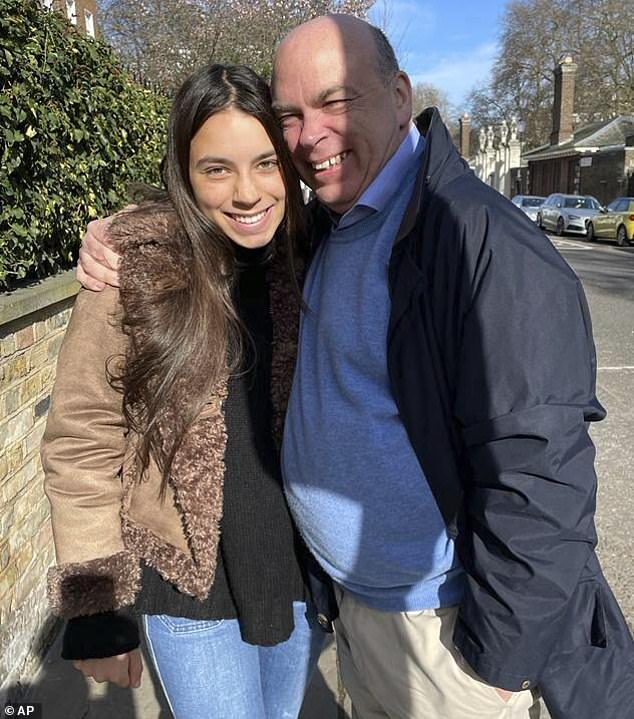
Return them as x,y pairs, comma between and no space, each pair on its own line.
341,120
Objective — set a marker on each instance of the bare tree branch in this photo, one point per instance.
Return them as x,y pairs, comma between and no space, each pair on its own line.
165,40
533,36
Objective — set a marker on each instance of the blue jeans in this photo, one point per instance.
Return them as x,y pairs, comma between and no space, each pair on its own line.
208,672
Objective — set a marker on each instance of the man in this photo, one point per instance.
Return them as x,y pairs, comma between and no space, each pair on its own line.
436,453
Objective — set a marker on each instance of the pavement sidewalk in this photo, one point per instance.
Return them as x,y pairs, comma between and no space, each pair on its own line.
65,694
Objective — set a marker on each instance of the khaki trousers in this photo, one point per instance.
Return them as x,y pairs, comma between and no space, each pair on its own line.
405,666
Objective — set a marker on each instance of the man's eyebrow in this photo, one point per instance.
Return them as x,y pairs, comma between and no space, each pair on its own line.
323,96
211,159
281,108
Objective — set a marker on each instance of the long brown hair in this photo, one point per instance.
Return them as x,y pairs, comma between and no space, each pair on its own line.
192,324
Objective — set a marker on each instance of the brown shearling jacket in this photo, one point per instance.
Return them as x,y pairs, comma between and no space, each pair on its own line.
105,518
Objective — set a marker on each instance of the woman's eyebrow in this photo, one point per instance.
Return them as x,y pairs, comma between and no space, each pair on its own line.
210,159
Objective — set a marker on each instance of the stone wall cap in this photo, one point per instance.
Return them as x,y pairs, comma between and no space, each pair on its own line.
36,295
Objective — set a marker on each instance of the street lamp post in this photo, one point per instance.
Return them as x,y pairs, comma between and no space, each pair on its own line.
521,126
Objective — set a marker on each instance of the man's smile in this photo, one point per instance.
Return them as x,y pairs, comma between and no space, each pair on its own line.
329,162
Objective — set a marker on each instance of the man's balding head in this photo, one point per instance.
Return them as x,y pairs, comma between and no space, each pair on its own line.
359,36
344,104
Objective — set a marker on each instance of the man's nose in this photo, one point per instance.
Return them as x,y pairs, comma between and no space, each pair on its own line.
313,130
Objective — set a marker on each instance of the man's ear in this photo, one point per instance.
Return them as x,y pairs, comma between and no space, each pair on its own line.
402,89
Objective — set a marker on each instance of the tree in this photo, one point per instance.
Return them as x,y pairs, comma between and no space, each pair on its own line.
424,94
534,35
165,40
76,132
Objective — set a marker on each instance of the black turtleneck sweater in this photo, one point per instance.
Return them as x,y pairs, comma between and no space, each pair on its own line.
258,574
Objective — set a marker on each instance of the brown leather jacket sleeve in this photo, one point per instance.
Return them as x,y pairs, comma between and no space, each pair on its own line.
82,455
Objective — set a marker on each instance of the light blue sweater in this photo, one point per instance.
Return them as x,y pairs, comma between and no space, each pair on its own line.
353,482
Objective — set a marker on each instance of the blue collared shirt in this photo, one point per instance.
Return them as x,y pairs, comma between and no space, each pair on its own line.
377,193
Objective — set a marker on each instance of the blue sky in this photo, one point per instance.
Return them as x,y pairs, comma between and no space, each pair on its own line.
449,43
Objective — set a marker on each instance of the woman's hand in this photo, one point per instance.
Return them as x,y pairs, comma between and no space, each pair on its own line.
124,670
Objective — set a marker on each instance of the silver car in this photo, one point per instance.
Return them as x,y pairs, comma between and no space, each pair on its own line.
567,213
529,204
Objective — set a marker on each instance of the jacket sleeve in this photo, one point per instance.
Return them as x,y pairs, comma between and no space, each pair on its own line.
82,455
97,636
525,392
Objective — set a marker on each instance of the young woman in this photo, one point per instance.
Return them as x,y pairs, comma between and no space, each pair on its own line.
161,446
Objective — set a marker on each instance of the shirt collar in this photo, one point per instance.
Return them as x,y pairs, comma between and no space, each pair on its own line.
378,192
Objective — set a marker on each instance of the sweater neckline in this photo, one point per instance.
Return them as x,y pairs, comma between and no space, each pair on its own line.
368,225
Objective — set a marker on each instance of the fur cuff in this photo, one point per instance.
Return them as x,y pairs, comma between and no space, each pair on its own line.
99,585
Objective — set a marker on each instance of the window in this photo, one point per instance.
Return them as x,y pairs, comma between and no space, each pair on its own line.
89,23
612,206
71,11
582,203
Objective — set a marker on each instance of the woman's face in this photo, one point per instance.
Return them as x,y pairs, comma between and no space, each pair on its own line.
234,172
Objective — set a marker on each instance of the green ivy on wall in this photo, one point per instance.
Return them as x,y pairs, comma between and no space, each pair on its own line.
75,131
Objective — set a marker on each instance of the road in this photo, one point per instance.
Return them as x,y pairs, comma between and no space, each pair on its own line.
607,274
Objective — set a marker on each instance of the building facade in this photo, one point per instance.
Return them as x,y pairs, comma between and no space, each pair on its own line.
81,13
595,159
498,157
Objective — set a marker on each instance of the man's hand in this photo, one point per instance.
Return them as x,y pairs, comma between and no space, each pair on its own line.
124,670
98,263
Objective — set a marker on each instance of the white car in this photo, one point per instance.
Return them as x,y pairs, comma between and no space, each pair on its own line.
567,213
529,204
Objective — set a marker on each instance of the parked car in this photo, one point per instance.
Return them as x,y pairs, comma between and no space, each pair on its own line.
567,213
615,222
529,204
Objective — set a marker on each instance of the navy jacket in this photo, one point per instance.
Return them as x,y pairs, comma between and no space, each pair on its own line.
492,366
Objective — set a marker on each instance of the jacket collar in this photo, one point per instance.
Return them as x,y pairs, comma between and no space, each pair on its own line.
154,255
441,163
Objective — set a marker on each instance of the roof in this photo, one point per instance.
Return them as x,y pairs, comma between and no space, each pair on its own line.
571,195
593,137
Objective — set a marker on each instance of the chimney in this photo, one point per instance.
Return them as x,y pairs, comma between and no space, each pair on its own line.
563,126
465,136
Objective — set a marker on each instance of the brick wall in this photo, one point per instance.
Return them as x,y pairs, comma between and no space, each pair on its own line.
564,101
32,324
81,6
